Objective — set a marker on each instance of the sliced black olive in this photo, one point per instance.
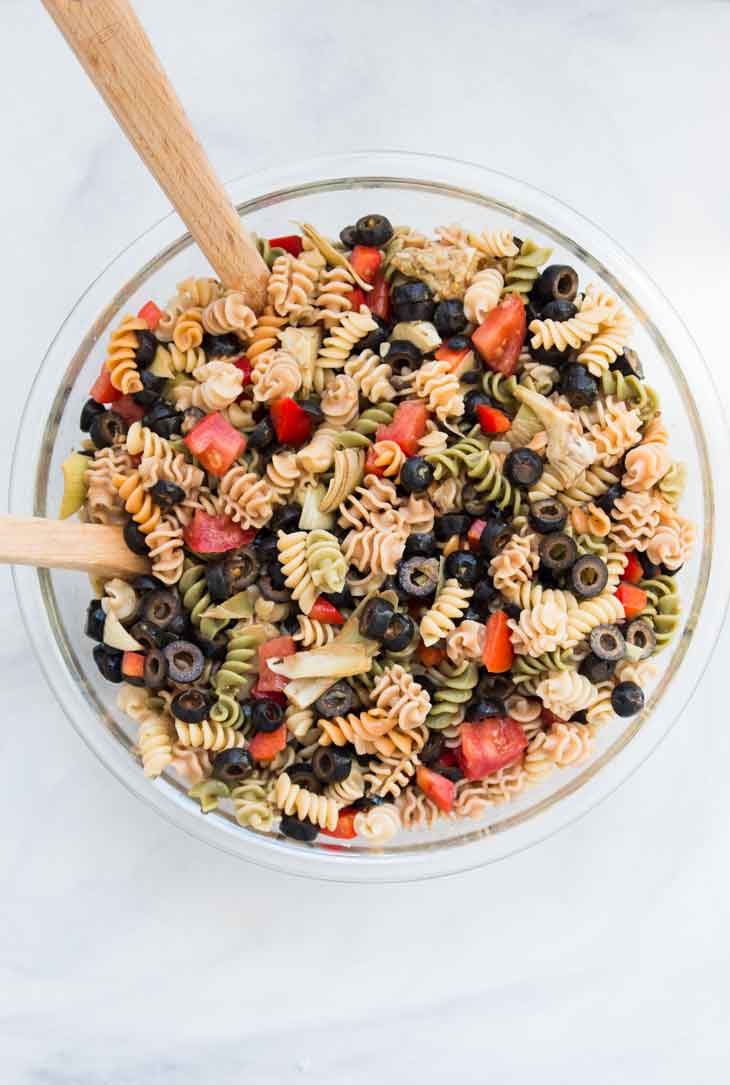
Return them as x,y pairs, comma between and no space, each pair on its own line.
303,831
232,765
302,774
597,670
399,634
144,582
180,626
95,618
107,428
155,669
449,318
190,419
627,699
313,408
404,353
373,231
216,581
222,346
289,626
338,700
161,608
416,475
485,708
453,523
166,494
474,502
552,356
331,765
559,310
185,661
420,544
547,515
641,636
270,592
147,635
464,567
472,376
375,617
557,282
276,576
241,568
629,364
607,642
215,649
151,390
451,772
146,349
416,310
558,553
90,410
375,339
134,539
109,662
368,801
287,517
265,547
589,576
577,385
494,537
650,568
163,419
418,576
472,400
523,467
190,706
407,293
606,500
348,237
484,596
262,435
433,749
267,715
341,599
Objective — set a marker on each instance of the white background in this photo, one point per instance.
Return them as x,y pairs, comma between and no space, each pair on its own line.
130,954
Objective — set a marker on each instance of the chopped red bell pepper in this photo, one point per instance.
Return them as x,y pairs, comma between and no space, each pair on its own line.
500,337
436,787
631,598
378,300
133,668
366,260
474,534
279,647
498,651
431,655
345,828
214,534
634,571
102,390
265,745
407,427
445,353
215,443
245,366
372,467
491,420
151,314
292,424
291,243
324,611
489,745
127,409
356,298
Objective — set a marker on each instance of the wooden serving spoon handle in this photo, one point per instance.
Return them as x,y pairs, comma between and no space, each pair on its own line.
67,544
116,54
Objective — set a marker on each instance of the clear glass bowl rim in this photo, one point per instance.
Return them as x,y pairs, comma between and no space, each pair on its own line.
382,168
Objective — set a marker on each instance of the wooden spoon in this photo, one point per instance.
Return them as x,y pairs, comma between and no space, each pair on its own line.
108,39
66,544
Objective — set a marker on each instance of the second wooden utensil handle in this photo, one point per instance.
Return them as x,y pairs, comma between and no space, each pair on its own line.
113,48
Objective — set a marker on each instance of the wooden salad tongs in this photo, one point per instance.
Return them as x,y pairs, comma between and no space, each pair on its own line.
116,54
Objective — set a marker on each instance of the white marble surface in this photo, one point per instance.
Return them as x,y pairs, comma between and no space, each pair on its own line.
130,954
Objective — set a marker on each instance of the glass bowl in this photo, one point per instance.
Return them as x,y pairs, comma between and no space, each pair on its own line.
424,191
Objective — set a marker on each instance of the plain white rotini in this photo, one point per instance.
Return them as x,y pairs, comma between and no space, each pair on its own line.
448,607
483,294
435,383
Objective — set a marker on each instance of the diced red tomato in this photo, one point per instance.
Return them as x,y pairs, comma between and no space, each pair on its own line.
631,598
445,353
102,390
214,534
129,410
275,695
489,745
215,443
291,243
430,656
474,534
265,745
634,571
292,424
246,368
356,298
280,646
150,313
498,650
133,668
372,467
324,611
407,427
491,420
378,300
448,759
345,828
499,339
366,260
437,787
